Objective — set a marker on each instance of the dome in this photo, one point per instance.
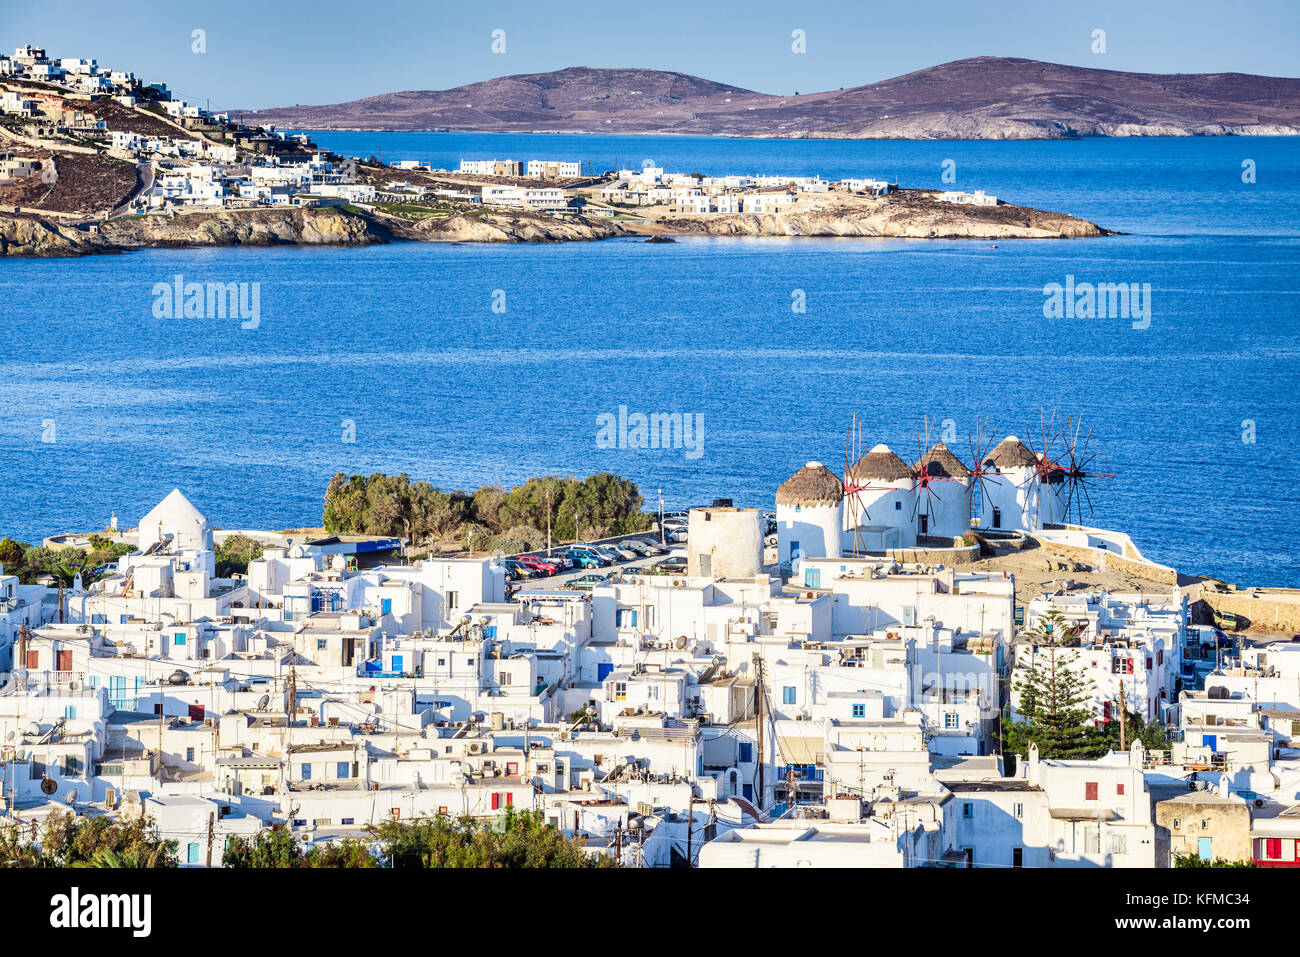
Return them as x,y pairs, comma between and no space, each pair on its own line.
812,485
1011,453
941,463
881,464
176,515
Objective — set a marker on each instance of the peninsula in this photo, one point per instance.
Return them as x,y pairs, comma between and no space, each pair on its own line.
98,161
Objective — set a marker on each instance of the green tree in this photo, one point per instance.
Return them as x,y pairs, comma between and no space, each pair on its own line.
234,554
278,848
1194,860
12,554
1052,693
515,839
70,841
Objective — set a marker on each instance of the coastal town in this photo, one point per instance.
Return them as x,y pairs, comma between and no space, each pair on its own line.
915,662
94,159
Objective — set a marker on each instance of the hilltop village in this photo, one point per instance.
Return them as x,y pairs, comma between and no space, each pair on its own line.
839,680
94,159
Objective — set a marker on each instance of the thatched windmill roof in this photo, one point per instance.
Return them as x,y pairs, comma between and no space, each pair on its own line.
1011,453
880,464
941,463
812,485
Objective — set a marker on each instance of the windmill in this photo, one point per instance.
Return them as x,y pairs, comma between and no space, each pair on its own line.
856,483
1078,476
925,472
980,444
1046,472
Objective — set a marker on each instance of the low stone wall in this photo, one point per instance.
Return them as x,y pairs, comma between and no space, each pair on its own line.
1104,560
1278,611
952,557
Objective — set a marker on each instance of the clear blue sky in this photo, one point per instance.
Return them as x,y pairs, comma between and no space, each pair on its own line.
279,52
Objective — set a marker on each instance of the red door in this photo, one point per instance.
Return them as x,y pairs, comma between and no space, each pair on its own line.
196,712
33,660
63,661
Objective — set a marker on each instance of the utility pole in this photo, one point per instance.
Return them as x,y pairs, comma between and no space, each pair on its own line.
758,669
548,521
211,824
690,822
661,517
1123,728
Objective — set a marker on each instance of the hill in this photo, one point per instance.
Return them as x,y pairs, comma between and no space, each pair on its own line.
977,98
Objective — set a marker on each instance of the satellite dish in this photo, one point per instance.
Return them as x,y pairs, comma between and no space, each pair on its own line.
49,785
263,701
681,643
33,730
71,796
11,735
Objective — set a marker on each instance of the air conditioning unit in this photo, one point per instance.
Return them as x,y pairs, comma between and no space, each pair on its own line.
74,685
472,747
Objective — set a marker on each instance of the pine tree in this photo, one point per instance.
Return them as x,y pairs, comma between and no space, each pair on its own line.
1052,693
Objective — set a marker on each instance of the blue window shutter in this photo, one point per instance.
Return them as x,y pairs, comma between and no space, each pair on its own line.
788,694
386,606
343,769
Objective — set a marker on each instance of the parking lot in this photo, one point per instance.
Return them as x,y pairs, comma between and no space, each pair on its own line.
564,578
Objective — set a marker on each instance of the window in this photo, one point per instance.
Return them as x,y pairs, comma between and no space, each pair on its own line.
788,694
1119,789
1118,844
812,578
950,720
70,712
180,638
344,769
746,752
1272,848
1090,791
968,811
71,765
306,772
189,755
453,600
1017,857
321,644
1149,662
192,853
1018,810
505,678
859,711
620,690
898,506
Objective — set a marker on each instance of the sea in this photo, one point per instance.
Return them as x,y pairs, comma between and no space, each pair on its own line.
473,364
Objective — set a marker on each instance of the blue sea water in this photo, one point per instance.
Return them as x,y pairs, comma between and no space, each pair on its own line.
1196,416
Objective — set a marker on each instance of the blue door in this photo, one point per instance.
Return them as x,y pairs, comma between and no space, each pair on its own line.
1205,848
812,578
603,671
1210,741
397,664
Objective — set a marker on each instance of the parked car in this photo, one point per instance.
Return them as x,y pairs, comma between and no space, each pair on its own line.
583,559
676,535
587,582
641,548
609,555
622,551
651,547
539,564
674,563
518,569
601,558
560,558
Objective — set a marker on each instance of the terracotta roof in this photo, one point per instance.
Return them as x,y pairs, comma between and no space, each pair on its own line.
882,464
942,463
814,484
1011,453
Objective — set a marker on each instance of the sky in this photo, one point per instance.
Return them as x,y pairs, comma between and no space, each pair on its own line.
285,52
